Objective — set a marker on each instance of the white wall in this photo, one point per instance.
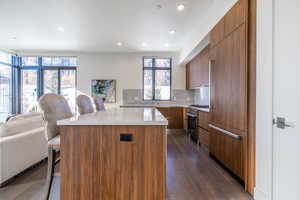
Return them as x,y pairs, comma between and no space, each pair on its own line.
126,68
264,98
201,27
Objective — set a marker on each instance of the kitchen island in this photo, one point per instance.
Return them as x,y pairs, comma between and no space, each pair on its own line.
115,154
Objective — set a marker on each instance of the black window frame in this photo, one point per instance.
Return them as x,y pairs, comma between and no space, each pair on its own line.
40,70
154,68
13,86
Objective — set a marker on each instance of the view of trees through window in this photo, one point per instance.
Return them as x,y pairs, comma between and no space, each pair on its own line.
58,76
157,79
38,76
5,91
29,91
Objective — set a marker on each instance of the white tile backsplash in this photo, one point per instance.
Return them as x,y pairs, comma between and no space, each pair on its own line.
179,97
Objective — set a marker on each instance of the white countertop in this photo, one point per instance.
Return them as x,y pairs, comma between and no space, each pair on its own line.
119,116
154,105
200,109
163,106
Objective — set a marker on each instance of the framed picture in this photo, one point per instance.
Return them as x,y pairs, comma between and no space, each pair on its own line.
105,89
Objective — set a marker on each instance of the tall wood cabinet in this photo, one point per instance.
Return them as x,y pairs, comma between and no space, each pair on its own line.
228,57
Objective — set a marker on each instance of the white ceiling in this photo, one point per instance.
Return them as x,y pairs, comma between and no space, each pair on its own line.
97,25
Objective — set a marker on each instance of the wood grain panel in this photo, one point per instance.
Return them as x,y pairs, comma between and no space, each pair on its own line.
228,150
229,83
204,137
217,34
236,16
250,183
198,70
174,116
203,120
95,164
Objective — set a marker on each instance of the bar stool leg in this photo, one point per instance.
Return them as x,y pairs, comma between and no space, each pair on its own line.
50,171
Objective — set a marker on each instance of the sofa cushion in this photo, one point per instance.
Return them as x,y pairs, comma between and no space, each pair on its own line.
21,125
26,115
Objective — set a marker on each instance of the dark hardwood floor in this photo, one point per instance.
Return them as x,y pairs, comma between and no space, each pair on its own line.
192,175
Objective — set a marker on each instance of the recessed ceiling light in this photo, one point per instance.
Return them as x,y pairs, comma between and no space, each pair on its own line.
172,32
120,44
144,44
167,45
60,29
180,7
158,6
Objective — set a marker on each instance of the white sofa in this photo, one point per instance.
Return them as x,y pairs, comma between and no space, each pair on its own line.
22,144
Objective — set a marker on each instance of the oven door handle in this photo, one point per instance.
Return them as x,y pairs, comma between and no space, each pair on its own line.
191,115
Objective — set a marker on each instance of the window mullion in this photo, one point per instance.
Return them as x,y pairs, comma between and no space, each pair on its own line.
153,78
58,82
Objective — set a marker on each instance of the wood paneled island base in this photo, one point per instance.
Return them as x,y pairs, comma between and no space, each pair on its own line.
113,162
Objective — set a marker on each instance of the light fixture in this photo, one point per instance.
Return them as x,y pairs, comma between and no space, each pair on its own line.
60,29
172,32
180,7
120,44
167,45
144,44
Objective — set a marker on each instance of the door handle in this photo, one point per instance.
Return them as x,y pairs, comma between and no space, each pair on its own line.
281,123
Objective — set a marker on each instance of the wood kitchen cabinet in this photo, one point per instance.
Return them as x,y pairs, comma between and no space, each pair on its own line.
228,150
174,116
229,82
217,34
235,17
229,93
203,128
185,120
197,70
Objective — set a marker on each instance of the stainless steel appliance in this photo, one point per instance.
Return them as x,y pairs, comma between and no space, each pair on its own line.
192,119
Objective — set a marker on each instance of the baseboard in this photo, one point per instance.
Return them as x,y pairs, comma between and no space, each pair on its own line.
260,195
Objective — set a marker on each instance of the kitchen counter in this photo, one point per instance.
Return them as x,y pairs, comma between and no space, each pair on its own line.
115,149
119,116
154,105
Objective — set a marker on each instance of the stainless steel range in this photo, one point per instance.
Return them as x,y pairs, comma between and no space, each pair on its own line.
192,118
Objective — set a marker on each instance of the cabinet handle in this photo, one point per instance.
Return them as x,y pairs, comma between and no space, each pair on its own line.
238,137
209,83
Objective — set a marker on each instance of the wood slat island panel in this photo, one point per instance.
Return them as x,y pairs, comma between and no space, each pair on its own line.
95,164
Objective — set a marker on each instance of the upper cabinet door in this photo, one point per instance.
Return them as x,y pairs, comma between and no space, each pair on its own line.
217,34
236,16
197,70
204,66
238,79
229,82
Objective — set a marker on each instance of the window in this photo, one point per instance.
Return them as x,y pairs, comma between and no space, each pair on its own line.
29,90
6,85
5,91
60,61
50,81
68,86
42,75
157,79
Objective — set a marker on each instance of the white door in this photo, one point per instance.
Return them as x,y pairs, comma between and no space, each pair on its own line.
286,84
